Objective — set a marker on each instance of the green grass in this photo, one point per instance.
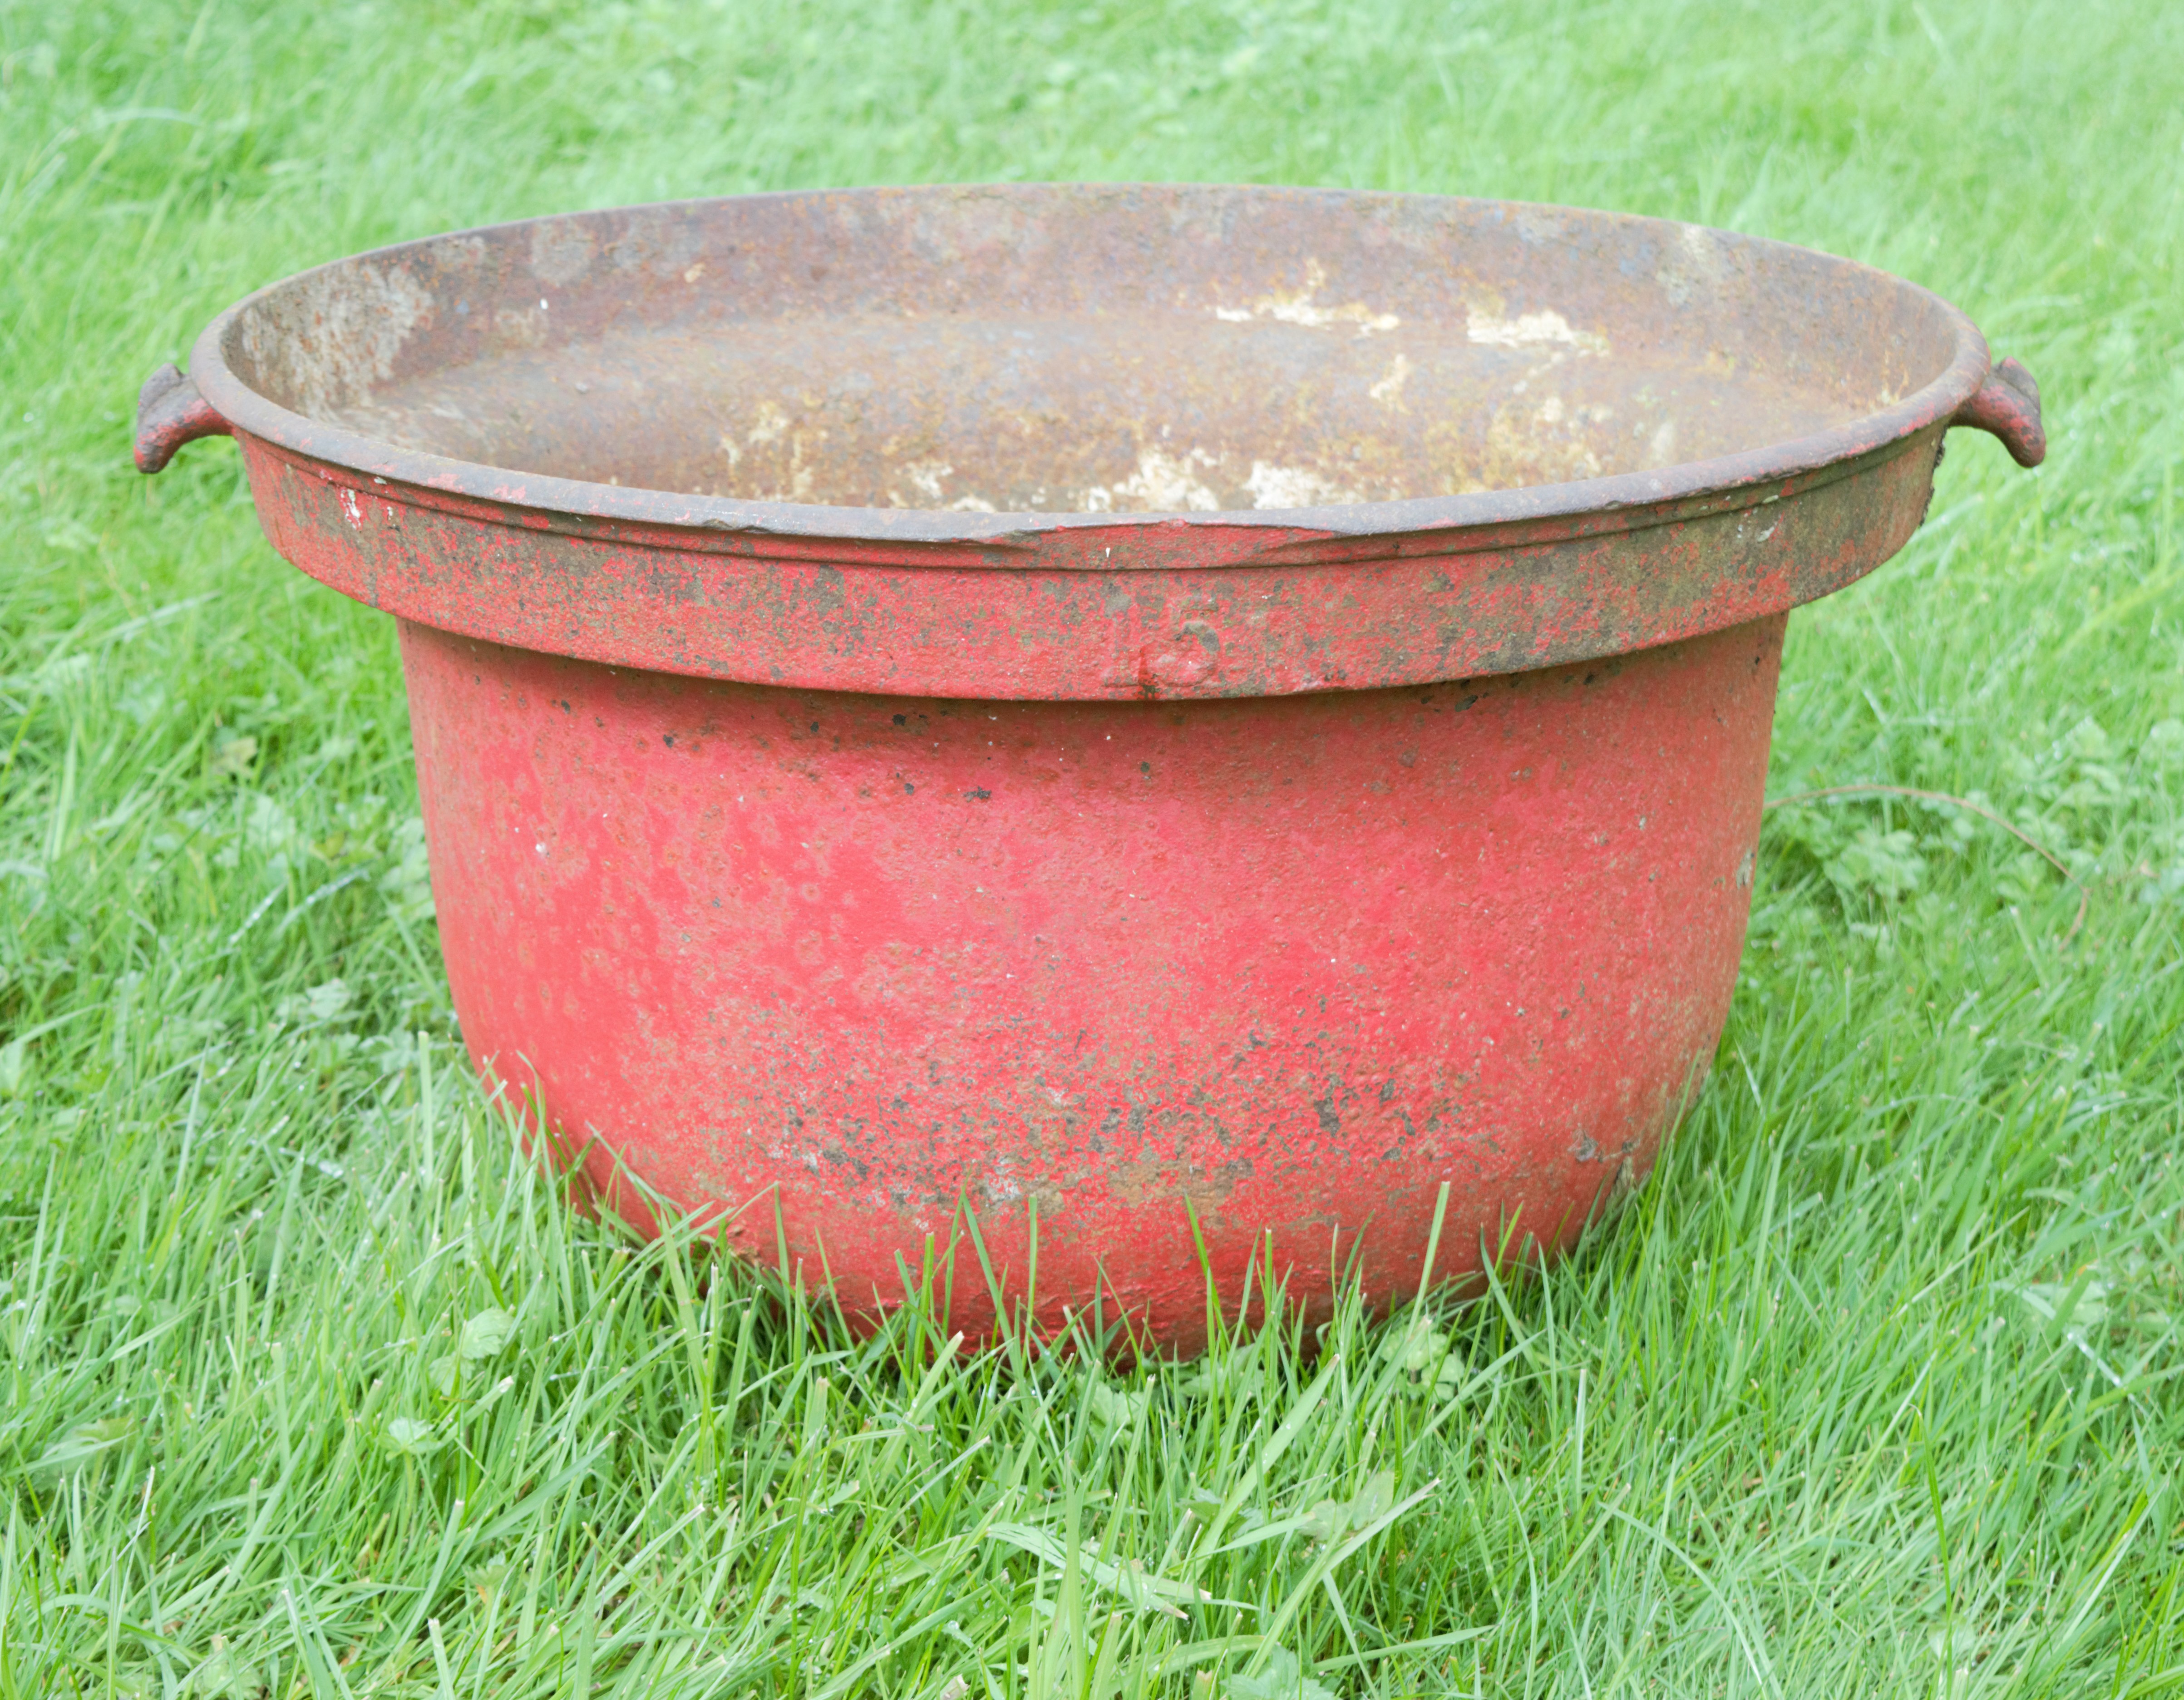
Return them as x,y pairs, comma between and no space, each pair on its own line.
312,1385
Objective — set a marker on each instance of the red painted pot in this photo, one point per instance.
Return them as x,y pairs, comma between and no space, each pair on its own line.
1134,719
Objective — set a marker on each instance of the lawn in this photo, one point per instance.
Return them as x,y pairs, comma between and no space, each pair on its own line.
315,1386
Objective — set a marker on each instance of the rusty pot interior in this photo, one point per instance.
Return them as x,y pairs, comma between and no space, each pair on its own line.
1112,349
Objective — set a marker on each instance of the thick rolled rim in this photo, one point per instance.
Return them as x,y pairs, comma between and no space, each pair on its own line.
1623,498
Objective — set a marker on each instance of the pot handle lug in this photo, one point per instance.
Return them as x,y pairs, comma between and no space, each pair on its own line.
169,412
2007,405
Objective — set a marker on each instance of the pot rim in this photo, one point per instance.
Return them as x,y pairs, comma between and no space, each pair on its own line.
1633,500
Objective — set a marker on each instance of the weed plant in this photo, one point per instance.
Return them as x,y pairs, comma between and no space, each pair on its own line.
313,1386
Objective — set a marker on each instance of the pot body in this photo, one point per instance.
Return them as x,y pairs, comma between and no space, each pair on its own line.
1093,727
1121,980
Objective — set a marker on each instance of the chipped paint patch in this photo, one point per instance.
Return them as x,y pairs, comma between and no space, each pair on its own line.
1389,391
1545,328
1163,483
1273,486
928,479
768,423
925,477
1299,308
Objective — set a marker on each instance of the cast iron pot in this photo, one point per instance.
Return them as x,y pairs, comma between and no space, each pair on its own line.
1043,740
